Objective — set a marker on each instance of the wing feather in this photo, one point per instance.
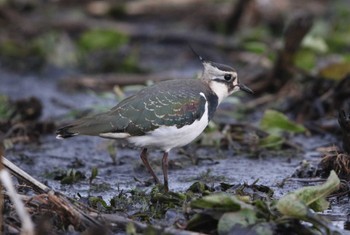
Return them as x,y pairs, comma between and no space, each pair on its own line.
171,103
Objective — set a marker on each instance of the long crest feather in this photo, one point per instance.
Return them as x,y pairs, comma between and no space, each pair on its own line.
194,52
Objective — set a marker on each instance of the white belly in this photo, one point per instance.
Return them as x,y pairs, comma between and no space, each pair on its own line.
166,137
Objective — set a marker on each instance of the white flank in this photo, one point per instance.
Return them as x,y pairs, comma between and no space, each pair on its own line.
115,135
59,137
168,137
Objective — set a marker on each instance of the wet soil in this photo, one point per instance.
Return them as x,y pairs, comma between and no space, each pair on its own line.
46,159
157,45
52,154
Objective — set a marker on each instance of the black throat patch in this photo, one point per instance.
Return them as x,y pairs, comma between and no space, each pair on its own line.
213,102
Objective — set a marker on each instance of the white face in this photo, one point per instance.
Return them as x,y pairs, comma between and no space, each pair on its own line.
223,83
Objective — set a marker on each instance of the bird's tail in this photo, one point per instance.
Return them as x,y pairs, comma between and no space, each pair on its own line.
65,132
93,125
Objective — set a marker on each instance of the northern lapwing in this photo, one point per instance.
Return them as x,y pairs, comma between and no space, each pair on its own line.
166,115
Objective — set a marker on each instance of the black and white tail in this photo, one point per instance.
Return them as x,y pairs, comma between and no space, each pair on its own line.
65,132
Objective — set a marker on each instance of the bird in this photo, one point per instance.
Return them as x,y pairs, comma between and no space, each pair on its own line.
166,115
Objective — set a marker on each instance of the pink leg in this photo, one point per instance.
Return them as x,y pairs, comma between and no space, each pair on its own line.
147,165
165,171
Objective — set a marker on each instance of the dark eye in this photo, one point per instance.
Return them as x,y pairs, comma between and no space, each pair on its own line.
228,77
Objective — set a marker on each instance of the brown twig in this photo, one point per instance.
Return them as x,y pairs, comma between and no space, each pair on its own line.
236,15
6,180
18,172
295,31
74,214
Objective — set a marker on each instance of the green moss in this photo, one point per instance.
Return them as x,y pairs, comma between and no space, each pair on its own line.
100,39
97,202
305,59
69,176
255,47
5,108
21,54
208,177
17,49
338,41
338,34
130,65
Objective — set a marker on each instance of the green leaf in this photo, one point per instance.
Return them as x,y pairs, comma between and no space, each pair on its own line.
315,43
95,201
6,109
275,122
264,229
335,71
112,151
198,187
219,202
150,230
255,47
170,199
228,220
305,59
72,176
297,204
130,229
271,141
94,173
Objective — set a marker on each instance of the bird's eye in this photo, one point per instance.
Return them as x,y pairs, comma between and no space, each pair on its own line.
228,77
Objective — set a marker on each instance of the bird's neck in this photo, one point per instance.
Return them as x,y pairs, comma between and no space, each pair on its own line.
220,90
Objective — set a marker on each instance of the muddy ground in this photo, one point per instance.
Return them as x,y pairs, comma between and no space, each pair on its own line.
84,153
49,158
71,76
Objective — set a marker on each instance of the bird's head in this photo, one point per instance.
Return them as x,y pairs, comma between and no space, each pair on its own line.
222,79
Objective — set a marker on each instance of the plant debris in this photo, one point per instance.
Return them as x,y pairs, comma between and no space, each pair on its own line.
20,122
257,169
344,122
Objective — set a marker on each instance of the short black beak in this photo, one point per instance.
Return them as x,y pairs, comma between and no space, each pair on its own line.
245,88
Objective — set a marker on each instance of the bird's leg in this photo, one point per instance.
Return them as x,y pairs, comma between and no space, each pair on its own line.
165,171
147,165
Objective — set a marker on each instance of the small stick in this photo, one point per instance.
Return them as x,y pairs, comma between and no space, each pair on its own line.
5,178
76,215
18,172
